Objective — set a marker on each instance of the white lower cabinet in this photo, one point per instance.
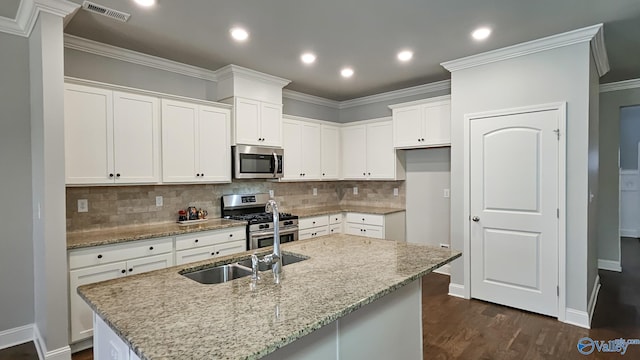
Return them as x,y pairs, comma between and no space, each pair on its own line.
109,345
311,227
335,223
102,263
389,226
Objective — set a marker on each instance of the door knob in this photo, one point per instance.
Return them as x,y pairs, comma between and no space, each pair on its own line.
475,218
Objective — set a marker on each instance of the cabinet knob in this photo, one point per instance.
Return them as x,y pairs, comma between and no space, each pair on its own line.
197,240
422,139
364,173
131,270
111,175
197,175
362,219
314,222
100,256
230,235
300,174
123,271
118,175
419,139
365,230
323,174
150,247
368,173
202,174
212,254
217,252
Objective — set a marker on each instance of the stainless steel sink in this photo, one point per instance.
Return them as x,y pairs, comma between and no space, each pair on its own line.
286,260
228,272
219,274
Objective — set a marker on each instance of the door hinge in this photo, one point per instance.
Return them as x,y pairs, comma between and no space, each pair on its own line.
558,213
558,290
557,131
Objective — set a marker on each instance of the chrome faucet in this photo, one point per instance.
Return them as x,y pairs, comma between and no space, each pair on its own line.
274,259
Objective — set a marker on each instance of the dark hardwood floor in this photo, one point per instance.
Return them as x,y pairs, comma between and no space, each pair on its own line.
455,328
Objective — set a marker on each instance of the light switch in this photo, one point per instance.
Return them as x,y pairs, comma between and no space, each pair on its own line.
315,191
355,190
395,191
159,201
83,205
271,193
446,193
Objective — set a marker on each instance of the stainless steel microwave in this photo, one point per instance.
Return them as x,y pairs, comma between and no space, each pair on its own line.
257,162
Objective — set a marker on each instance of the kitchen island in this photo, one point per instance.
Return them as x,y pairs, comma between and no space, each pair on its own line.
354,295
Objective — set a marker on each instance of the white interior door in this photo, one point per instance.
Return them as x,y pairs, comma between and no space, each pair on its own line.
514,210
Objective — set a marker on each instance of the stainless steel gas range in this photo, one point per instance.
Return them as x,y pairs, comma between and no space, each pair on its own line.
250,208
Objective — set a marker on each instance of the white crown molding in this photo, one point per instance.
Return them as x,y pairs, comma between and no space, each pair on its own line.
436,99
620,85
28,12
311,99
530,47
235,70
599,51
134,57
396,94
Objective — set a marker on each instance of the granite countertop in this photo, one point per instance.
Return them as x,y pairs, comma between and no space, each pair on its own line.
81,239
317,211
164,315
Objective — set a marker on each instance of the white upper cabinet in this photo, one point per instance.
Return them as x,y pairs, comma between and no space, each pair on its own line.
330,158
110,136
423,123
257,123
301,142
368,152
195,143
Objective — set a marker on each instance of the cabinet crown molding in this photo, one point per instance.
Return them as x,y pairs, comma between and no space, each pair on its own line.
422,101
620,85
239,71
592,34
28,11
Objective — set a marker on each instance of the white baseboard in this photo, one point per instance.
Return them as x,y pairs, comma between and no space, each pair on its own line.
583,318
81,345
609,265
16,336
444,269
456,290
630,233
63,353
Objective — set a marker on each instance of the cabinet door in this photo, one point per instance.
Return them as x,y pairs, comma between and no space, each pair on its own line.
232,247
80,313
330,152
437,124
292,143
354,148
179,126
381,155
149,263
213,143
88,135
136,130
271,124
108,344
407,126
247,122
310,149
193,255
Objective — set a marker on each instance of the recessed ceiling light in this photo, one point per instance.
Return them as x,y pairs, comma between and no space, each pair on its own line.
481,33
405,55
308,58
145,2
239,34
346,72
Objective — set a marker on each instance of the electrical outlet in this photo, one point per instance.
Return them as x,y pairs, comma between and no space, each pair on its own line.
315,191
446,193
395,191
446,246
271,193
355,190
159,201
83,205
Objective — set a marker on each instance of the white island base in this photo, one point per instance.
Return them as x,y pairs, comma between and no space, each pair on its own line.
388,328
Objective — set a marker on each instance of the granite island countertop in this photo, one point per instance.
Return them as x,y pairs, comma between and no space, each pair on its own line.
327,210
164,315
115,235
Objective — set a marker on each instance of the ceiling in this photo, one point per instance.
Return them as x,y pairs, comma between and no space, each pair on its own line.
364,34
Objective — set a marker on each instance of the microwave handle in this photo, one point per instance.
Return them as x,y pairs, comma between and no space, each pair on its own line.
275,169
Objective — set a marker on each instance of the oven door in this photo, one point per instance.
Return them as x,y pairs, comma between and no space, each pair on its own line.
251,162
265,238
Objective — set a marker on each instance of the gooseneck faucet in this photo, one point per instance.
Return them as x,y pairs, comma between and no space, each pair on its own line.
274,259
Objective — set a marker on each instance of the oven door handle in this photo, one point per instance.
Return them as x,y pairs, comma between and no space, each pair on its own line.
284,231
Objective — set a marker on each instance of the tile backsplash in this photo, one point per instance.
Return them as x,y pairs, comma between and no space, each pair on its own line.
111,206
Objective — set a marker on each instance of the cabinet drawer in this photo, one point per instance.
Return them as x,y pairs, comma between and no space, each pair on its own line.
335,229
365,219
335,218
309,222
207,238
118,252
371,231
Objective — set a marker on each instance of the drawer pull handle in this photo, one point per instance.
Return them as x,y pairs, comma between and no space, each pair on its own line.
150,247
100,256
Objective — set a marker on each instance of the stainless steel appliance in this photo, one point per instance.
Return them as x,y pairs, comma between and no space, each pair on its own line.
256,162
250,208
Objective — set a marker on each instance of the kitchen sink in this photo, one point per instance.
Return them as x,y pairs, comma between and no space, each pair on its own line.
286,260
228,272
219,274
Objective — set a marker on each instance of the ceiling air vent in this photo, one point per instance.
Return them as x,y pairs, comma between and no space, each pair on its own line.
105,11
